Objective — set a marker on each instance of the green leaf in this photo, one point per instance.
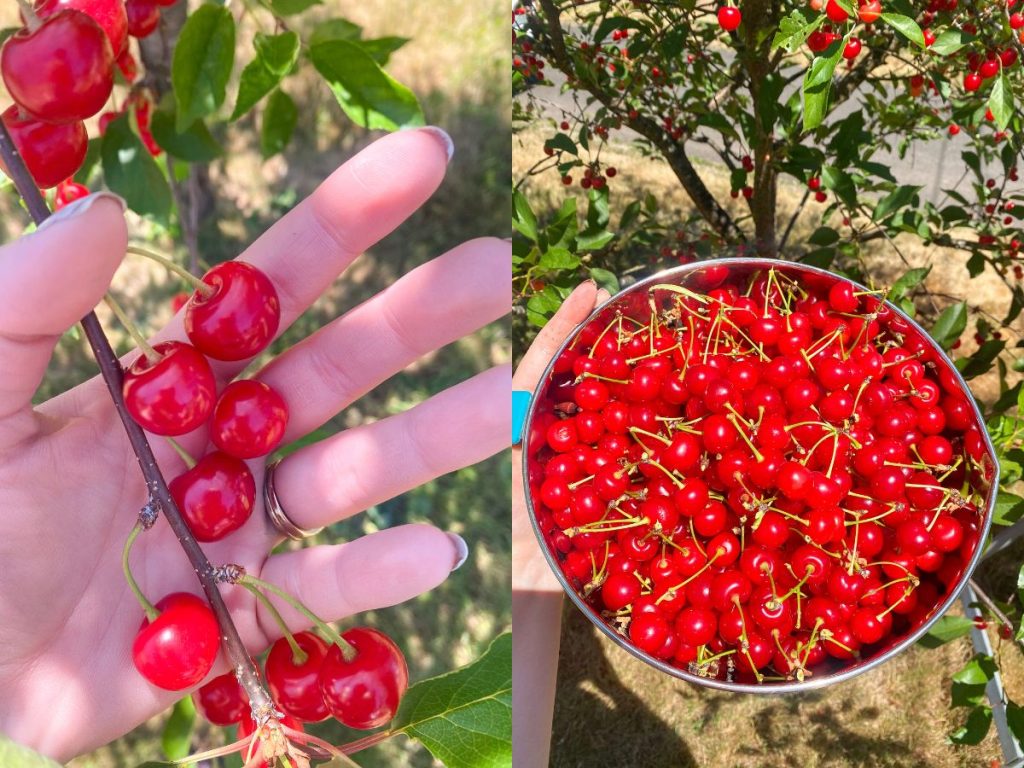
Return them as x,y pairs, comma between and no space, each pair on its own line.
794,30
369,95
594,239
92,158
841,183
899,198
950,325
949,42
817,87
275,56
562,142
1009,507
203,58
177,735
976,727
558,259
1000,101
945,629
908,281
14,754
605,279
291,7
465,717
131,172
978,670
981,361
279,119
335,29
195,145
906,26
523,218
381,48
1015,720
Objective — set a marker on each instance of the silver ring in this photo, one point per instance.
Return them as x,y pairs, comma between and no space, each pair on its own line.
276,513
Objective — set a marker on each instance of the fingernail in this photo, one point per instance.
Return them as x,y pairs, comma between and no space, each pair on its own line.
442,137
507,239
80,206
461,550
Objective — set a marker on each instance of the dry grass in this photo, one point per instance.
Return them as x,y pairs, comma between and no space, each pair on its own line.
614,710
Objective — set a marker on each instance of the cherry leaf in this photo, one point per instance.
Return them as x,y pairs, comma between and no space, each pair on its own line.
950,325
275,56
279,119
131,172
906,26
465,717
1000,101
945,629
203,59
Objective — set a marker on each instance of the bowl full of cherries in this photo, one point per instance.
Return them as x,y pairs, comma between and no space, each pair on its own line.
757,476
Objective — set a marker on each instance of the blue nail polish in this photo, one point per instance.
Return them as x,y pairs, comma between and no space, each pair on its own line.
520,405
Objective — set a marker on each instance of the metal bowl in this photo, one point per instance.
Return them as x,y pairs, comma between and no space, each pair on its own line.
831,671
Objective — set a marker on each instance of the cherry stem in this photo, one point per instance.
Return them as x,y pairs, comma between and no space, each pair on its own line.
299,656
185,455
238,657
28,11
253,584
366,742
133,330
172,266
148,607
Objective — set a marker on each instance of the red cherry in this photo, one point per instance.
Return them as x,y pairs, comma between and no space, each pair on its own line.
249,419
109,14
61,72
175,394
128,66
143,17
67,192
247,727
296,687
52,153
241,316
870,12
972,81
364,692
852,49
835,12
177,649
216,496
222,700
729,18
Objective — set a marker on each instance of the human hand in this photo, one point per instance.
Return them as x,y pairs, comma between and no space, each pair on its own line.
530,571
70,489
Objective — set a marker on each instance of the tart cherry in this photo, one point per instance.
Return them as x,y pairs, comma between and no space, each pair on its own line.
143,17
109,14
364,692
51,152
176,650
61,71
249,419
216,496
172,395
296,686
238,318
222,700
69,191
729,18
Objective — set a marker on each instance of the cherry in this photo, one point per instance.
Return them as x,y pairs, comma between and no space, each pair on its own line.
696,626
619,590
239,318
177,649
870,11
52,153
835,12
249,419
222,700
67,192
852,49
143,17
729,18
296,687
216,496
128,66
972,81
364,692
173,395
109,14
648,632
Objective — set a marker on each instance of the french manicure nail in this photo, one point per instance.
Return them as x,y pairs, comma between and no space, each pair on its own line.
80,206
442,136
461,550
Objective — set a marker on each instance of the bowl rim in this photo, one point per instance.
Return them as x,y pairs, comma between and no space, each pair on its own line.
773,688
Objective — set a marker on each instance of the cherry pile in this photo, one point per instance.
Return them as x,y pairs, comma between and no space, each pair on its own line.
171,390
769,476
362,693
59,70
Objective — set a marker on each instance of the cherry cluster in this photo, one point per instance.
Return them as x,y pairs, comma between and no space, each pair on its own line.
750,478
59,70
313,681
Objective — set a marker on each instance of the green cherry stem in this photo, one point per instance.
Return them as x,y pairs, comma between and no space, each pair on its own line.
172,266
299,656
133,330
185,455
148,607
252,583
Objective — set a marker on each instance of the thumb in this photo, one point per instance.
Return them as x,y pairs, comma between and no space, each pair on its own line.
49,280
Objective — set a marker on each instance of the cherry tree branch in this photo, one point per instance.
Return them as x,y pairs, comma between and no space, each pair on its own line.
243,666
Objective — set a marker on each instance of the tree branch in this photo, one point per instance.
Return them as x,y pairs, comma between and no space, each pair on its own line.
244,667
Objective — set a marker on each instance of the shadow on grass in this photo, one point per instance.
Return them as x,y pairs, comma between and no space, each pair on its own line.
598,720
